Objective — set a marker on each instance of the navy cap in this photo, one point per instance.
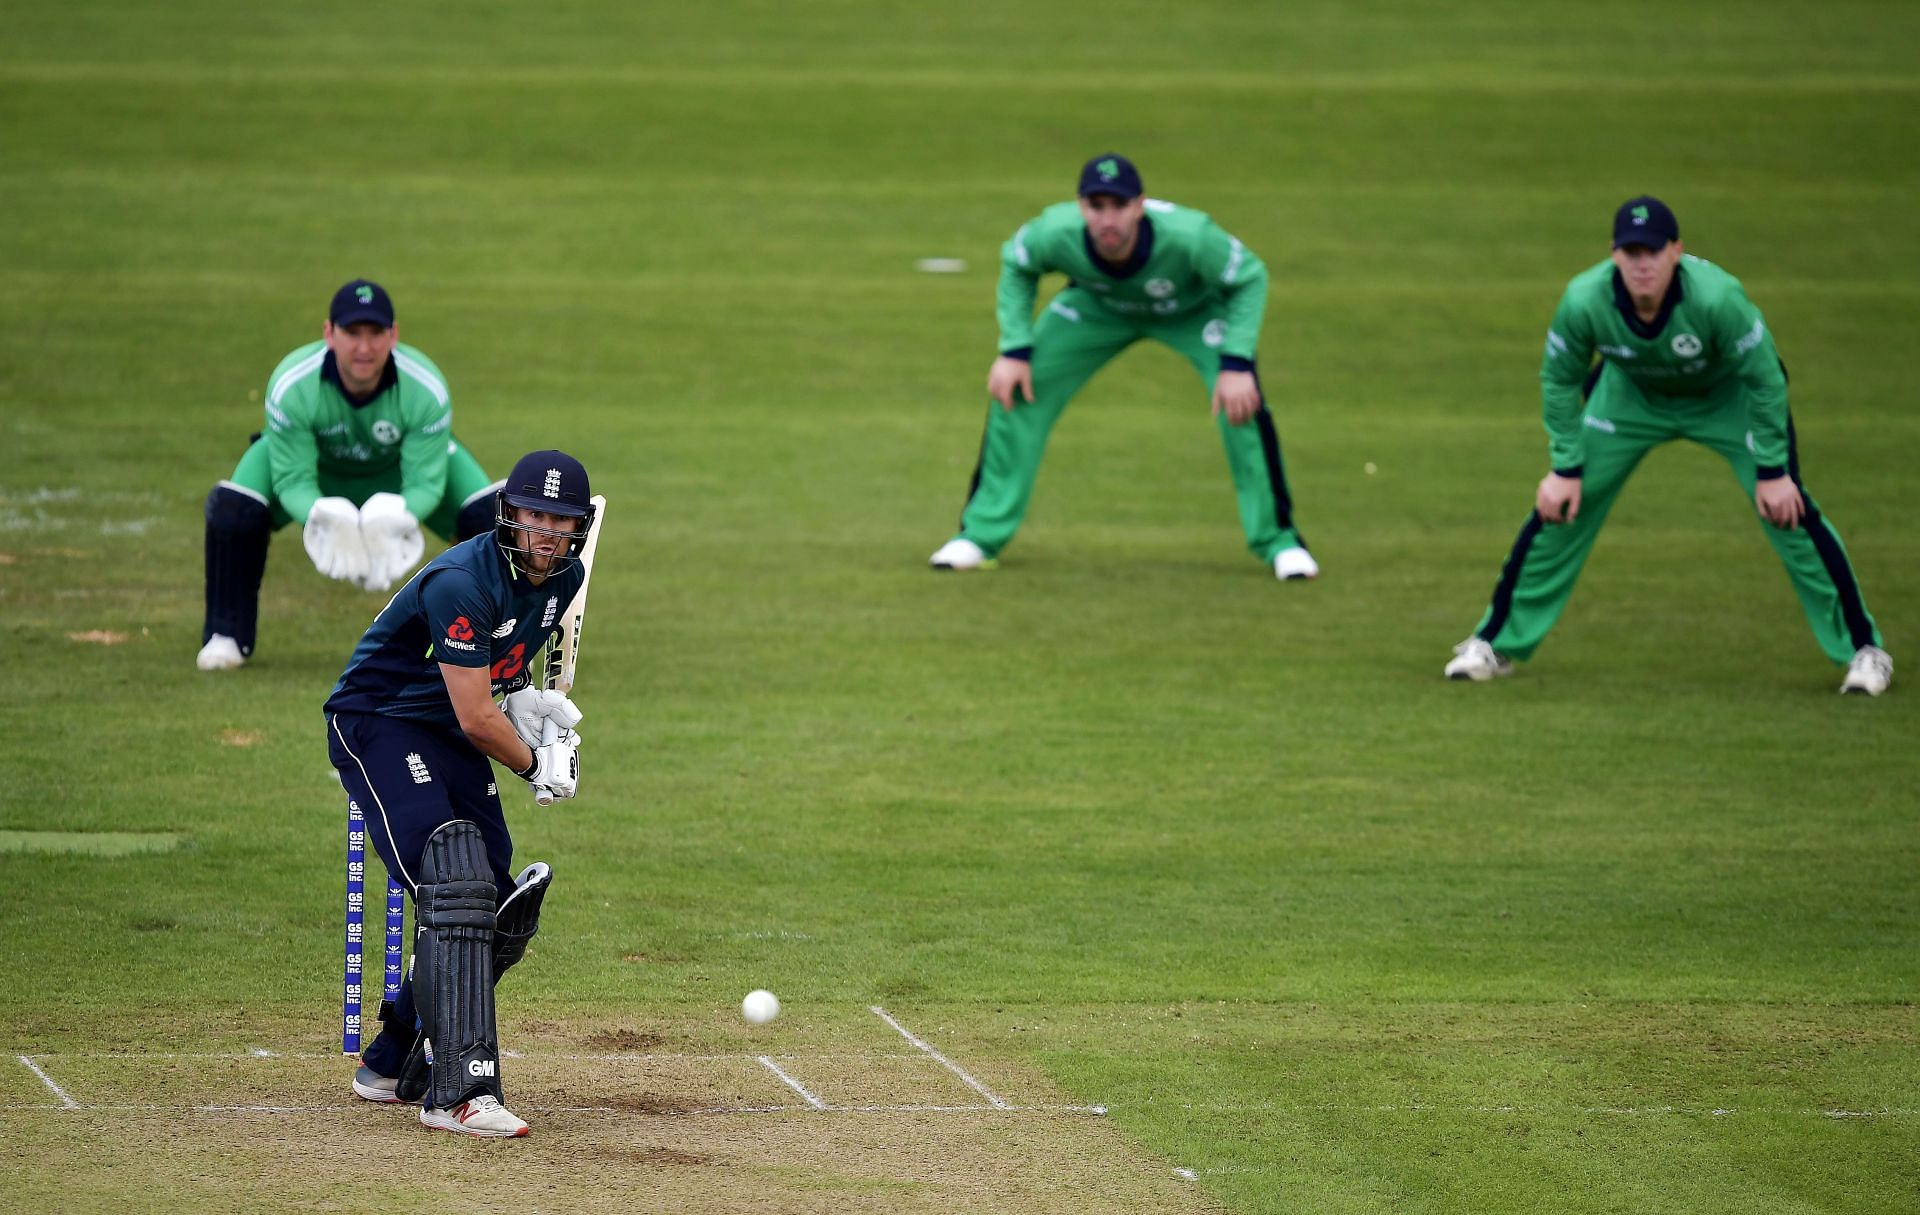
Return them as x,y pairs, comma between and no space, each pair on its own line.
1644,221
1110,174
551,481
362,300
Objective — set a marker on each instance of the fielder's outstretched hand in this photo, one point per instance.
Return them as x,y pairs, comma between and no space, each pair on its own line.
1558,498
1237,394
1779,502
1008,379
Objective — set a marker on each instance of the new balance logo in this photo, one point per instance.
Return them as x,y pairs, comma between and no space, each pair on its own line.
417,768
506,630
552,489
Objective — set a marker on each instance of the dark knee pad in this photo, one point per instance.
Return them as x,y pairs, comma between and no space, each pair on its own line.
239,526
454,906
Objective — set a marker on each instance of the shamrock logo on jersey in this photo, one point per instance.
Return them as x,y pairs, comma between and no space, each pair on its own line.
1159,288
1686,345
386,433
364,294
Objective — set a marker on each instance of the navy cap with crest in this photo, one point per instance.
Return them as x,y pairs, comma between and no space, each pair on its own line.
362,300
551,481
1644,221
1112,174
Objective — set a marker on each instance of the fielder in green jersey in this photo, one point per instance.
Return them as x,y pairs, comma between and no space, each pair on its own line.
359,450
1138,268
1651,345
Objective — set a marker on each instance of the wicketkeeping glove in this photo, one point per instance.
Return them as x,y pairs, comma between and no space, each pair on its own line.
530,708
333,540
392,538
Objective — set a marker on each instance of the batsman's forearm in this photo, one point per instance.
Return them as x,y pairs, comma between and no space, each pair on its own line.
494,738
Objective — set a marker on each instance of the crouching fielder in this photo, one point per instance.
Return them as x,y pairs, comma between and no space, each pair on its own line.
410,727
1646,347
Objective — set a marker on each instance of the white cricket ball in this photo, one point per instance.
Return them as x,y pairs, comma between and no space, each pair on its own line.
760,1007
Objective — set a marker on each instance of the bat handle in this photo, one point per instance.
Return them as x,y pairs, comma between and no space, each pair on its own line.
549,733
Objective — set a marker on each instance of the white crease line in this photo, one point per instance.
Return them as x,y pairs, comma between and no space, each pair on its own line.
945,1062
705,1111
66,1102
767,1062
334,1056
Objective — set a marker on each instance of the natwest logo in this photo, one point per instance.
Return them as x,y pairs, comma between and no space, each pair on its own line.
461,629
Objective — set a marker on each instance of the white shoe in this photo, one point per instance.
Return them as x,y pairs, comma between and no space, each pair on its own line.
482,1116
369,1085
960,554
1870,671
1476,660
221,653
1295,564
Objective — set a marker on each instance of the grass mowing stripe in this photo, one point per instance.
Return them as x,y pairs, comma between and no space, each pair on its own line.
90,843
1472,79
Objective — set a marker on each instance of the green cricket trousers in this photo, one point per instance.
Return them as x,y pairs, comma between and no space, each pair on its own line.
1075,337
1623,425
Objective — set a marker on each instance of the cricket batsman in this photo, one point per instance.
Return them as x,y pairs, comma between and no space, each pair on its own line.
358,449
1137,268
410,728
1681,354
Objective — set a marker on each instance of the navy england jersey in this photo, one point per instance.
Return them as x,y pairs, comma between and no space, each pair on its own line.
468,608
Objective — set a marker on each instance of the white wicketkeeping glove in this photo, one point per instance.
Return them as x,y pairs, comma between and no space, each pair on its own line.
556,765
392,538
333,539
530,708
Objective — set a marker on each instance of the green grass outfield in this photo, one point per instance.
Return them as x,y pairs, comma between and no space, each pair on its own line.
1124,822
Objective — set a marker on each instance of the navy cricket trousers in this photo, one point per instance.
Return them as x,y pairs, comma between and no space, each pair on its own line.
410,778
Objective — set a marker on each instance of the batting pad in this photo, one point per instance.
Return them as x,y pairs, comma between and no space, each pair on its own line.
519,917
453,963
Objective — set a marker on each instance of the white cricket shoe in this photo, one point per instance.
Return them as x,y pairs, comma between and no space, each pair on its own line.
1476,660
221,653
1870,671
1295,564
369,1085
960,554
482,1116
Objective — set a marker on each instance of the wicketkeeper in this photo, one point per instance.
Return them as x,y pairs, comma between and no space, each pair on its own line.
359,450
410,728
1138,268
1649,346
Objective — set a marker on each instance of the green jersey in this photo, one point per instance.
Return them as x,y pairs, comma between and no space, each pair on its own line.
313,428
1182,261
1707,335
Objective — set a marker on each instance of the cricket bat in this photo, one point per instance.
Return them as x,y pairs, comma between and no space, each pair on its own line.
563,656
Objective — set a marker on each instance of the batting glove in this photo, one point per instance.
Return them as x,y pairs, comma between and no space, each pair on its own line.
530,708
556,766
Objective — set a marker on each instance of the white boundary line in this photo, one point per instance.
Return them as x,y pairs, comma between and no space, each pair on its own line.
767,1062
941,1059
66,1102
